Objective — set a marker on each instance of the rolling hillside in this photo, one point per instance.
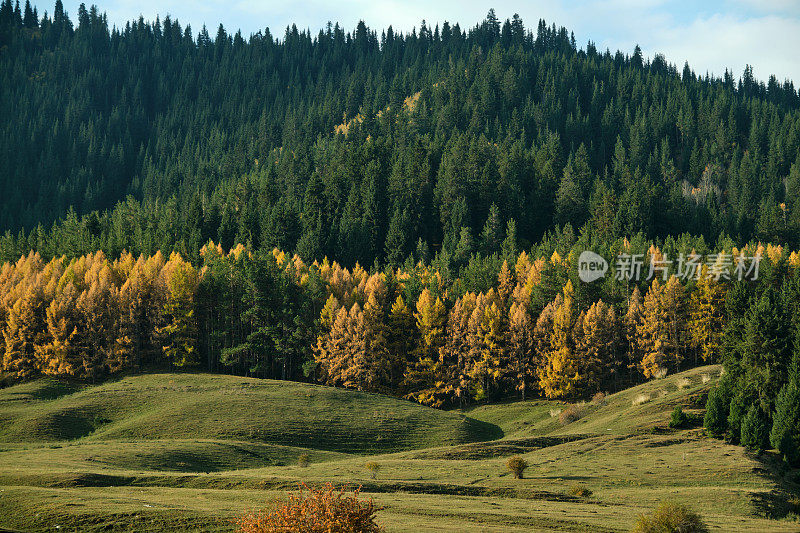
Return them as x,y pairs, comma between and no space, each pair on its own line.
203,406
194,451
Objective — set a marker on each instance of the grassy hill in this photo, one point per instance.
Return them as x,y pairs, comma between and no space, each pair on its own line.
635,409
192,452
204,406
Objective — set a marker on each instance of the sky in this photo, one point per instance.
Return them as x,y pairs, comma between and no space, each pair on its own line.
711,35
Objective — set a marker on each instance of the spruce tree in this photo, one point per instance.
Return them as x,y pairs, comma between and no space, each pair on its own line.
755,431
715,419
785,433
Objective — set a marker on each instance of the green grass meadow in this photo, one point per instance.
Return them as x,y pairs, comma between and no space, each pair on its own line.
192,452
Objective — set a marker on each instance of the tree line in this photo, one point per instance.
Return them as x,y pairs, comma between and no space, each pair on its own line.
91,317
506,325
536,330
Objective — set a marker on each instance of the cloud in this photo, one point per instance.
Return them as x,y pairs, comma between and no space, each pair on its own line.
711,38
767,43
770,6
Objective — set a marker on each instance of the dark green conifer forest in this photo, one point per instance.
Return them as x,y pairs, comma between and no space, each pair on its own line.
370,145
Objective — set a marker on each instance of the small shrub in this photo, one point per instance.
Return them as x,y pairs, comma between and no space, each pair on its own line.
319,510
640,399
599,398
517,466
678,419
580,490
706,378
303,460
699,400
660,373
373,468
683,383
570,414
555,412
670,518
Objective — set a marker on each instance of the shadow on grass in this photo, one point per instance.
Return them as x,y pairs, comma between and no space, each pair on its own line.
100,480
784,500
487,450
479,431
54,389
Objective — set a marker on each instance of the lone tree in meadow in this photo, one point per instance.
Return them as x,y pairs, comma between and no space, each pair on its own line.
517,466
373,468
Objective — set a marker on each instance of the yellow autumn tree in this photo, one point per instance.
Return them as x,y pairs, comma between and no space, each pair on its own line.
661,334
123,354
376,360
330,350
179,333
61,355
400,339
542,331
96,310
454,386
424,370
58,339
596,341
631,323
674,308
505,283
707,316
651,337
352,355
485,338
24,326
520,346
563,374
142,299
354,369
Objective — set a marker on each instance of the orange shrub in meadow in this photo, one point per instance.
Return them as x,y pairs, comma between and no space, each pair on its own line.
316,510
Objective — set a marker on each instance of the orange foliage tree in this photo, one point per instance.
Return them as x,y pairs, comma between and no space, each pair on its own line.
316,510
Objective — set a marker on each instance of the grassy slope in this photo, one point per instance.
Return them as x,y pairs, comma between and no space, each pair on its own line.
145,466
203,406
629,411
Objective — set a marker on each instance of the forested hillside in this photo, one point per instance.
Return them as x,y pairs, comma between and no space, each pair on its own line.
369,144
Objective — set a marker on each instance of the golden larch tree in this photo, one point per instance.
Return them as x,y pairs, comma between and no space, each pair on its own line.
596,341
424,370
520,346
632,321
707,316
485,338
562,373
454,386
